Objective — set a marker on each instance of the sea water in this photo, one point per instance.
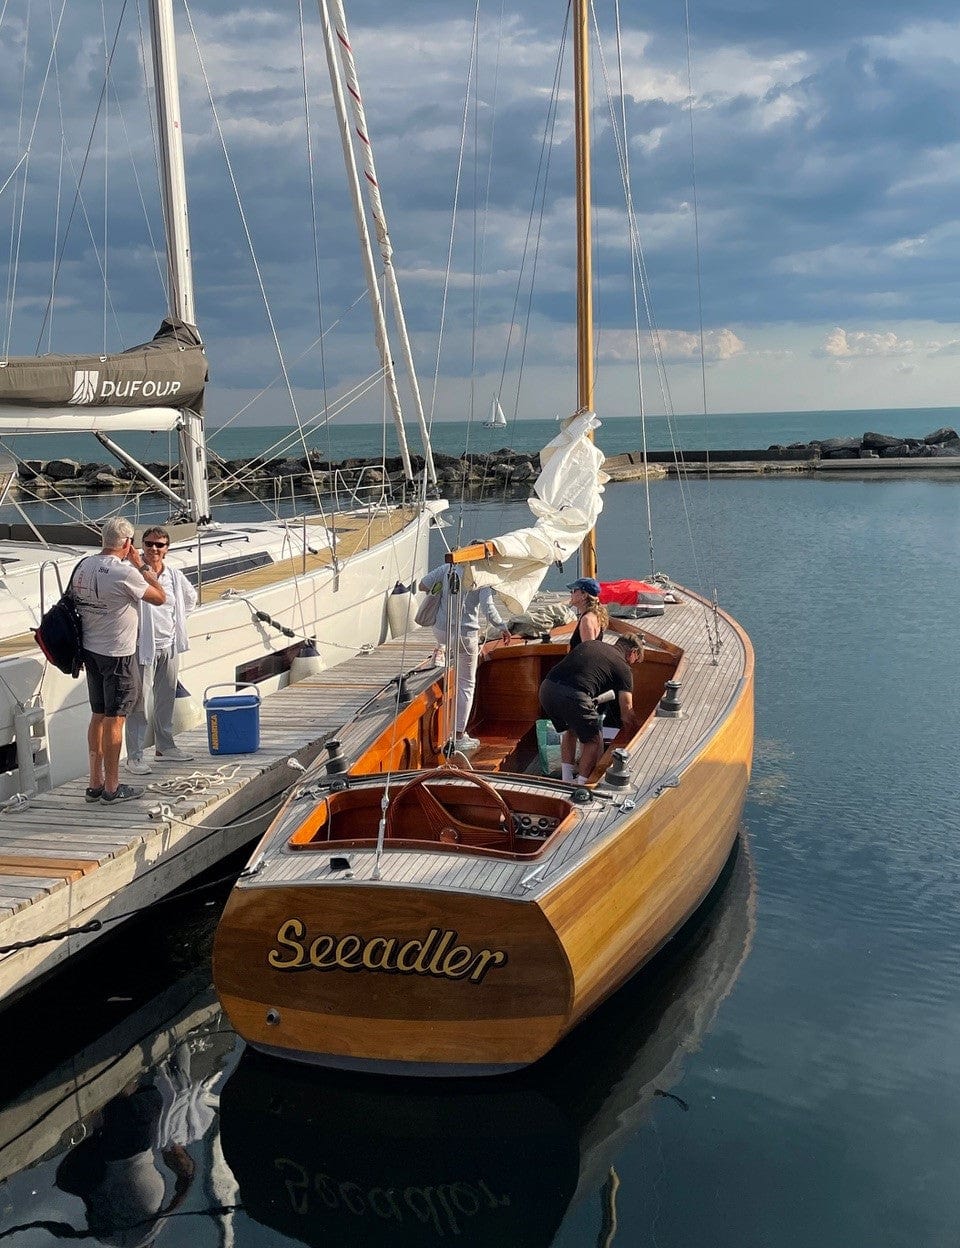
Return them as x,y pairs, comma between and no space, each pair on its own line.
724,431
789,1075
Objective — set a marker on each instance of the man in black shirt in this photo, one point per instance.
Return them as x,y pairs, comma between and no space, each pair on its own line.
569,693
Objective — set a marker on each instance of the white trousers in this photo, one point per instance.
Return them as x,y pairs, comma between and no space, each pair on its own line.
466,659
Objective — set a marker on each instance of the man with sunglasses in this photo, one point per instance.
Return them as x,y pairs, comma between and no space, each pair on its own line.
163,638
109,589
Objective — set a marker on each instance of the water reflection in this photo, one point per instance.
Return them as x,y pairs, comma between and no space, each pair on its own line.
154,1130
336,1159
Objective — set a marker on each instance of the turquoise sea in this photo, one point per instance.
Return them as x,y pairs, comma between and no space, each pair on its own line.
787,1074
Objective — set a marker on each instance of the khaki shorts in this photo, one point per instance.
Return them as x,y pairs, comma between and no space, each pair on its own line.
113,683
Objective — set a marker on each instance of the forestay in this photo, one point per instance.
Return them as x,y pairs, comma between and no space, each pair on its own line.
567,499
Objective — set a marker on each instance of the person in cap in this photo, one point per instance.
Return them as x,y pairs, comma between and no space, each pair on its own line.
569,697
592,617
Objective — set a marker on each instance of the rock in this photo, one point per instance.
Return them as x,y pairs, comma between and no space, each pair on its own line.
878,441
940,435
62,469
895,452
29,469
942,451
103,480
830,446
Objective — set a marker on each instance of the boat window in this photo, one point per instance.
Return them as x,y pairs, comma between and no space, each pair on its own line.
267,665
216,571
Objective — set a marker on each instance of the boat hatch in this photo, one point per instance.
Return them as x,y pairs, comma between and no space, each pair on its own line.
442,809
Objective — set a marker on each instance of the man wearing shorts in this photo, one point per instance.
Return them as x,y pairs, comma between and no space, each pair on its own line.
108,588
569,693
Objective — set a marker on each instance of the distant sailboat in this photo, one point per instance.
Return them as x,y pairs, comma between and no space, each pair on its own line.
496,419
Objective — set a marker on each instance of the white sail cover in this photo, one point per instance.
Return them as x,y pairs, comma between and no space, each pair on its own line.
89,420
567,501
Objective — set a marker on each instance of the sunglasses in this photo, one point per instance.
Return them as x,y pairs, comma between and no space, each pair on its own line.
157,545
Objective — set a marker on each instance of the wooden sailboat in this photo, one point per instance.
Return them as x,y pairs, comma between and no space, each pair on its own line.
270,586
407,915
397,1157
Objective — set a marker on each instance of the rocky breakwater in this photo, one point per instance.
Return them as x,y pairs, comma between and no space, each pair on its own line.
361,478
942,443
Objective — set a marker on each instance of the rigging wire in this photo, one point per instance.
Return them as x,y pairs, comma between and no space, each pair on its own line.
246,229
631,215
621,142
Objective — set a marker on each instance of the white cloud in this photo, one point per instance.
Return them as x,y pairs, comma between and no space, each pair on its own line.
840,344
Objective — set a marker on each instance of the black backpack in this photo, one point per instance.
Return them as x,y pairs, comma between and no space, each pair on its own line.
60,632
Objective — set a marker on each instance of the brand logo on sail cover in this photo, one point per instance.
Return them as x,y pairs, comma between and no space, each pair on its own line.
85,385
87,388
438,954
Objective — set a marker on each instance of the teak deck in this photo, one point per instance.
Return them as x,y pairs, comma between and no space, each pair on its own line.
669,744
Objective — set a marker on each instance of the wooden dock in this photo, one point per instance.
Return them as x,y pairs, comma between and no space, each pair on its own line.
66,863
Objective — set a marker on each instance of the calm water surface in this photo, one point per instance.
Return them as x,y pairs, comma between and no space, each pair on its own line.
789,1074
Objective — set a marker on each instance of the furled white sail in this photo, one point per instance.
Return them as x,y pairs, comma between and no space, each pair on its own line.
567,500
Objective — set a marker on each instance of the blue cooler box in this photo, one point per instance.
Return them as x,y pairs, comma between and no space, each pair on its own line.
233,719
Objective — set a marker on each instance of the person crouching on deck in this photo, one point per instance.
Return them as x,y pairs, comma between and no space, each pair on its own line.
569,694
466,606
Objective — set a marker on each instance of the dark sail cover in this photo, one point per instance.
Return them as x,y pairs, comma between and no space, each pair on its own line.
169,371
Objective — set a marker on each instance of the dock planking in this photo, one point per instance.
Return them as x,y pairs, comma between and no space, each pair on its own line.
65,861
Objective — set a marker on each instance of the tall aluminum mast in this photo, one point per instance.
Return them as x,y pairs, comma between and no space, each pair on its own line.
193,449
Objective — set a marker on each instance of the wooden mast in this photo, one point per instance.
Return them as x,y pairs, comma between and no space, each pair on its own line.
581,90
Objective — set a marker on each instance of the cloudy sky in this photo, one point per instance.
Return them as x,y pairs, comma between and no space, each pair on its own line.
826,158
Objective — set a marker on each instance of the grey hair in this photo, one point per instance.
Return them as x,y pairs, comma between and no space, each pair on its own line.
115,532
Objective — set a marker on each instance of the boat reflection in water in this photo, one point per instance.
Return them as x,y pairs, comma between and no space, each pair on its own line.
330,1158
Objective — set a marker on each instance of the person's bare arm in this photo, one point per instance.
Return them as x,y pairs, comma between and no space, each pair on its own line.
628,717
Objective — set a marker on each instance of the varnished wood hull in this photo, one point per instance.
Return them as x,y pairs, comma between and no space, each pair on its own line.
375,975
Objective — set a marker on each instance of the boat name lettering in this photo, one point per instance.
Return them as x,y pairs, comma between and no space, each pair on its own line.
437,954
443,1208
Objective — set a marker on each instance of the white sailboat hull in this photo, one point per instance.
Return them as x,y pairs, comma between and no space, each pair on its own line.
343,606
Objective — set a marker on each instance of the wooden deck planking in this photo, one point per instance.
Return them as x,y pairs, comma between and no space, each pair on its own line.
668,745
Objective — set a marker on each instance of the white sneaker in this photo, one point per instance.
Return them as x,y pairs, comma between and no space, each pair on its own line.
173,756
138,767
465,742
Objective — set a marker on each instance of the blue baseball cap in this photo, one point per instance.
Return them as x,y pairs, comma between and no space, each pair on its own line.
587,584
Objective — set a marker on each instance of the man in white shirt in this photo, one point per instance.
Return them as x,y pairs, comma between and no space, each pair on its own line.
108,589
163,638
